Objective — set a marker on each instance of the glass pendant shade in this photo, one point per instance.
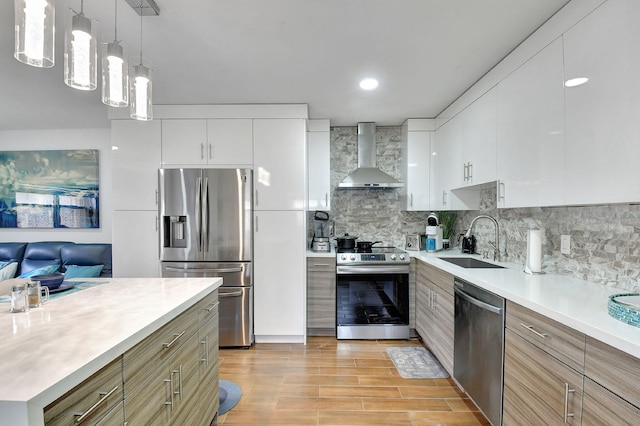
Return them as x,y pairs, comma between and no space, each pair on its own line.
115,76
141,99
80,54
34,32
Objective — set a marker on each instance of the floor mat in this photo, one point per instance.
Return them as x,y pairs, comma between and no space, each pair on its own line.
230,395
414,362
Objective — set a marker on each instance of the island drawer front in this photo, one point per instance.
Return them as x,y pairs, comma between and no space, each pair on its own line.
145,358
209,343
562,342
321,264
615,370
208,307
442,279
94,397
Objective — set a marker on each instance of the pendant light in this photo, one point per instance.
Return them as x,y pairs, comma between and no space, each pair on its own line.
141,87
115,73
80,52
34,32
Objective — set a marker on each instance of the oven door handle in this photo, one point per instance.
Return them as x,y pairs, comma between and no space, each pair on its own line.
366,269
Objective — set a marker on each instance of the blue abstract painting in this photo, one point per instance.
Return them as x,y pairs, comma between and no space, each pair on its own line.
50,189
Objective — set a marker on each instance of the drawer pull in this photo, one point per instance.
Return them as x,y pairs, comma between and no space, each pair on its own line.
567,391
321,264
82,416
175,339
170,381
534,331
205,342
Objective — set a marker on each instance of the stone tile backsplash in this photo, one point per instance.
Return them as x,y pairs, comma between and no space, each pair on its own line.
605,239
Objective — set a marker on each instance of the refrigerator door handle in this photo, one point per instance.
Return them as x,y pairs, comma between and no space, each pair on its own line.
233,294
205,215
198,212
222,270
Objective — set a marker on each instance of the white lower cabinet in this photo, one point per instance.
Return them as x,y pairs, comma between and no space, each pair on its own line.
279,280
135,244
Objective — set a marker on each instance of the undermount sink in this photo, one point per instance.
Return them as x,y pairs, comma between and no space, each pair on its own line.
469,262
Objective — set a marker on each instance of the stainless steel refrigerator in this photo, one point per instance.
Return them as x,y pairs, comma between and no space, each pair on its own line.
206,222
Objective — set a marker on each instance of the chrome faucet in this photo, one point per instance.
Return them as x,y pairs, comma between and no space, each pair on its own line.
496,245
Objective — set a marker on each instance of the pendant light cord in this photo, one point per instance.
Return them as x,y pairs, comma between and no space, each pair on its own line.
115,21
140,32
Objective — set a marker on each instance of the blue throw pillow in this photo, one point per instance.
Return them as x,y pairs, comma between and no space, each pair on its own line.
49,269
75,271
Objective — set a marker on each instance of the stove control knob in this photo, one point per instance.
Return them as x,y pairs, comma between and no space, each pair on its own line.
353,257
401,256
343,257
393,257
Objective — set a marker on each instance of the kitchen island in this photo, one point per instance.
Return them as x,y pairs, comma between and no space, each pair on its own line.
49,351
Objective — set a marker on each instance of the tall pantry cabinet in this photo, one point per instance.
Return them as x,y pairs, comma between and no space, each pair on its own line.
279,229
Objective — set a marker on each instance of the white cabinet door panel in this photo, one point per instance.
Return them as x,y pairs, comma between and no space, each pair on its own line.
135,164
417,160
319,170
530,144
184,142
135,244
279,147
602,118
478,140
230,141
279,281
448,165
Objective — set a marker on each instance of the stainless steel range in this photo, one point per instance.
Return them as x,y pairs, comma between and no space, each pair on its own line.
372,294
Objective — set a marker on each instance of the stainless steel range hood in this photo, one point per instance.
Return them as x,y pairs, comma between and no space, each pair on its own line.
367,175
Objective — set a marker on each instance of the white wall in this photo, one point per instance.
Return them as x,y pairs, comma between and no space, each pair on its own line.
28,140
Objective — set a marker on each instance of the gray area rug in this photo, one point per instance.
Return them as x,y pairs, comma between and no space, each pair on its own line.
413,362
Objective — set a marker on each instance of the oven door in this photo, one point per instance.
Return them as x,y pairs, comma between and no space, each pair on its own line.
372,302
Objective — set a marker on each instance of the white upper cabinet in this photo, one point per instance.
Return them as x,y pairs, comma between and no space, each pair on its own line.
224,142
319,165
230,141
478,140
135,164
603,115
447,165
279,164
416,164
530,142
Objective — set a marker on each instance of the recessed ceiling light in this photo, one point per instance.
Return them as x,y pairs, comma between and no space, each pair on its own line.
572,82
368,84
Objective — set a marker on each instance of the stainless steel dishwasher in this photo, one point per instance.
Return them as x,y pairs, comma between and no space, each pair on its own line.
479,347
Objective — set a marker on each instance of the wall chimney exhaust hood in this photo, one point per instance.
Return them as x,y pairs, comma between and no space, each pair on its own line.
368,175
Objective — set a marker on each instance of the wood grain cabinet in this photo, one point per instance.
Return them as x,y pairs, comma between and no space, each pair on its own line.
321,296
435,312
543,370
92,401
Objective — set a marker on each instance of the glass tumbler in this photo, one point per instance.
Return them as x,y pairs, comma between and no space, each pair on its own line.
19,298
38,294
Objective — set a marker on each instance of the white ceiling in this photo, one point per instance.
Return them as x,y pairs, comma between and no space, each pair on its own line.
425,53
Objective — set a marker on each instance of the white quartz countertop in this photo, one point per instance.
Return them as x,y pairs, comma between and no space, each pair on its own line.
311,253
579,304
49,350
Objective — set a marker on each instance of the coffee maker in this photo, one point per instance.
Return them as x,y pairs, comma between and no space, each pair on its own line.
323,229
434,233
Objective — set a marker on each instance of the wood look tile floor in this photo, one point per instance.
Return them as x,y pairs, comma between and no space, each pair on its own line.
337,382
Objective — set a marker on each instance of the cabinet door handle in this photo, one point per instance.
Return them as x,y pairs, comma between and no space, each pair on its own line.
210,151
105,395
534,331
205,342
567,391
202,151
411,200
157,198
470,172
326,199
500,190
179,373
175,339
257,198
465,172
170,381
444,197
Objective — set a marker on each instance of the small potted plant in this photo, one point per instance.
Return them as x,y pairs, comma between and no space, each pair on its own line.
448,222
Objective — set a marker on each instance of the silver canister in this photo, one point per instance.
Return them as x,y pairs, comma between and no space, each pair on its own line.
19,298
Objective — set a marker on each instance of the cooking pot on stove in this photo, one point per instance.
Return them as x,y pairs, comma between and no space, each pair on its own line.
346,242
366,245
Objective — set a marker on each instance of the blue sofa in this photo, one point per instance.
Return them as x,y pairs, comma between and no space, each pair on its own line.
36,255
